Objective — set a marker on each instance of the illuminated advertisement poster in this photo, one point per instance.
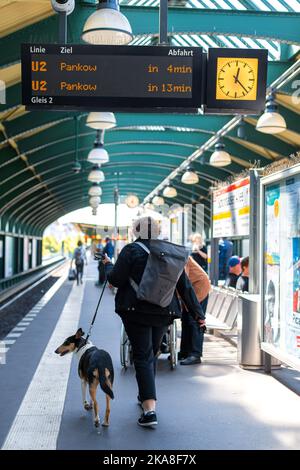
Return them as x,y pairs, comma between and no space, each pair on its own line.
231,210
272,264
282,265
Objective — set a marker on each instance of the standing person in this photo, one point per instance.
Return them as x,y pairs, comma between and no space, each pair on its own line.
145,323
225,253
234,271
98,252
199,251
192,334
243,281
109,248
79,256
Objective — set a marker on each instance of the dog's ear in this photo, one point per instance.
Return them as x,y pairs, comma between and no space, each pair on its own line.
79,333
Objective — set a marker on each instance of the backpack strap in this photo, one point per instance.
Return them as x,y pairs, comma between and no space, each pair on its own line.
133,284
143,246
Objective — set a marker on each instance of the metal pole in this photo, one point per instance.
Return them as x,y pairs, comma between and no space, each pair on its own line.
163,22
214,252
116,199
254,241
62,28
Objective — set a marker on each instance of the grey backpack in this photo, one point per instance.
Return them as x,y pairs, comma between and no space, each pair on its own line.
165,264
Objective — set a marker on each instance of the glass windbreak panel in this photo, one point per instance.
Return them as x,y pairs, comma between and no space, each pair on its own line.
282,265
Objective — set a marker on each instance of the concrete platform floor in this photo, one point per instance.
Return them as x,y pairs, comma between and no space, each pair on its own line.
215,405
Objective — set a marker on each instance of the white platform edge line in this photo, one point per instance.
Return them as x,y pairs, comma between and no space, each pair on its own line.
26,319
37,423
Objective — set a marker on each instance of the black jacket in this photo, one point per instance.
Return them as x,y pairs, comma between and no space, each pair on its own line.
131,263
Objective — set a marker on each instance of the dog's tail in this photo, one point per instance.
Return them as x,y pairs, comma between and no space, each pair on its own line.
105,385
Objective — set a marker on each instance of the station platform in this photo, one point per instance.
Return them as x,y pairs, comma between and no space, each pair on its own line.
215,405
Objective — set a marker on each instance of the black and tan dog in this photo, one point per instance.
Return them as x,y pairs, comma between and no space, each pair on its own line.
95,367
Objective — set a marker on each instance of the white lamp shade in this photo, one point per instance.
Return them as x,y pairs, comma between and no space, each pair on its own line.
220,158
271,123
95,201
170,191
103,120
107,26
158,200
95,190
189,177
98,156
149,206
96,176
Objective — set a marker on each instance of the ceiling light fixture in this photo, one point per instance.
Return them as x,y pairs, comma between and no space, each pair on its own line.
94,201
271,122
101,120
107,25
170,191
190,176
96,175
95,190
158,200
220,157
98,155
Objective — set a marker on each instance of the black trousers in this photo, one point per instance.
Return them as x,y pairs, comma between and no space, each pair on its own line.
192,335
145,341
79,271
102,273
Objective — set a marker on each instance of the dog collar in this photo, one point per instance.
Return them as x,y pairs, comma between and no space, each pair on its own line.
80,352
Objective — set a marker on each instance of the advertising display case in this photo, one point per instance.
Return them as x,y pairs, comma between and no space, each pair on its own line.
280,265
231,210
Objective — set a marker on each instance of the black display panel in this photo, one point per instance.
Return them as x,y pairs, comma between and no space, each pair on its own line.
242,75
111,78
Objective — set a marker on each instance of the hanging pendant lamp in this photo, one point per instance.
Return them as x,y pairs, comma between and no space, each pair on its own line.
107,25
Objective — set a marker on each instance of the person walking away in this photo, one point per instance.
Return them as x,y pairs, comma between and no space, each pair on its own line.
199,251
79,257
101,269
192,334
243,281
234,264
146,322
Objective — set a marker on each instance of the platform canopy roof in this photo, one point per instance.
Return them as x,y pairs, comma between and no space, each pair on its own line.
37,149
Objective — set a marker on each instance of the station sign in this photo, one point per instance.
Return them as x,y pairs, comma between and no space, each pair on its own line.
88,77
236,81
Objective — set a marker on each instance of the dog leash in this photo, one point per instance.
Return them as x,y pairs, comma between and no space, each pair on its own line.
95,314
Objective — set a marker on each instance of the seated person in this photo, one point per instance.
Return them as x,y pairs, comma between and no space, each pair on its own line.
234,264
243,281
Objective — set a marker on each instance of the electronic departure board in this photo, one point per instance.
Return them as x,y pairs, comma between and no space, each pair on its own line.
111,77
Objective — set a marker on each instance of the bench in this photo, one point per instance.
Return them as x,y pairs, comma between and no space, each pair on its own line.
222,309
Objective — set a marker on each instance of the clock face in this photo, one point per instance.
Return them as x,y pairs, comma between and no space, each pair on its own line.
132,201
237,78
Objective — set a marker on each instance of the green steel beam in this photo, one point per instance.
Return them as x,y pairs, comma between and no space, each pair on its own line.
108,190
275,26
29,215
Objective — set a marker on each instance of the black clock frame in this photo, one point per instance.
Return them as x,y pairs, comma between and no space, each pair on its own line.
217,106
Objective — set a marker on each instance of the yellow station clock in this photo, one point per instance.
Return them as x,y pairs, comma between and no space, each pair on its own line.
236,78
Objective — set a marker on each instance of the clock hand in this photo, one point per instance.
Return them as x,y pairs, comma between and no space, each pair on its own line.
242,86
236,77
